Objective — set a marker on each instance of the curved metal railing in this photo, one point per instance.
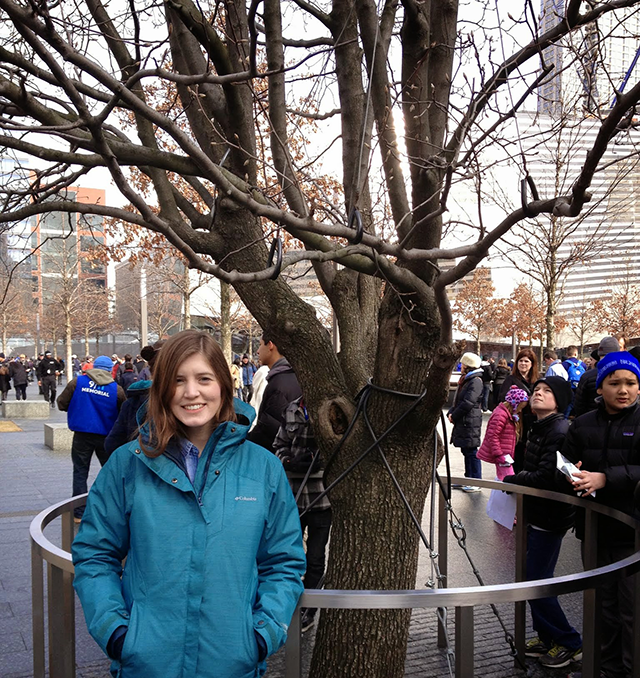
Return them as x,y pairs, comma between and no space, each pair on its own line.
61,596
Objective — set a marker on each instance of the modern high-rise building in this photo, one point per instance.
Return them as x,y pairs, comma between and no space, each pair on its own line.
603,242
51,250
590,66
589,63
63,248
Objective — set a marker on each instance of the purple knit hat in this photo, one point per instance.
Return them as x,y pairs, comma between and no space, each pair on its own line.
515,396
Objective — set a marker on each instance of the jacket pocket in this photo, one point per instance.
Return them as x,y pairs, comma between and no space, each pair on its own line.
251,644
129,639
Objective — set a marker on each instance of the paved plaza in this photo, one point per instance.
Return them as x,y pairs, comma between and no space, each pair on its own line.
33,477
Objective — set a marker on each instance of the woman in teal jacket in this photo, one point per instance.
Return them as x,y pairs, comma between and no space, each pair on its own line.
209,528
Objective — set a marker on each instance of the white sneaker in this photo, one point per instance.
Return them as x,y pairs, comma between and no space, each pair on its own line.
471,488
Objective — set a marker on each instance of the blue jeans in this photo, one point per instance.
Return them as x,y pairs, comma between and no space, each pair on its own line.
486,392
549,620
472,465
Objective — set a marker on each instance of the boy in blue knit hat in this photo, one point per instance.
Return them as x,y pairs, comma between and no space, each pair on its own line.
605,445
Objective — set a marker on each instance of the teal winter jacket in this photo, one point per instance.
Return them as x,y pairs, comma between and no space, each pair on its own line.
208,565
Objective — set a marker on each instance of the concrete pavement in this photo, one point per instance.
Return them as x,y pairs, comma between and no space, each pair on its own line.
33,477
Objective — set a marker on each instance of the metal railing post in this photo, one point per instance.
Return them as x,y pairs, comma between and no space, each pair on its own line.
591,601
443,554
520,621
62,628
37,611
636,614
464,642
61,609
292,652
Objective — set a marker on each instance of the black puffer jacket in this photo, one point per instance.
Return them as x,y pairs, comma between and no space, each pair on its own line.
18,372
466,411
512,380
586,393
609,444
501,375
546,437
282,388
130,416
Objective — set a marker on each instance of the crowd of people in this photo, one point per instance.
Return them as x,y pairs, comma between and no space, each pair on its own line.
588,411
214,476
47,371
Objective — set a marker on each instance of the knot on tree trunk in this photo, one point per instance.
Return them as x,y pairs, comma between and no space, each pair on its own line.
446,355
334,416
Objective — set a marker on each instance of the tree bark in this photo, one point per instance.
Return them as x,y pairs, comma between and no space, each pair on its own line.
187,299
225,320
368,512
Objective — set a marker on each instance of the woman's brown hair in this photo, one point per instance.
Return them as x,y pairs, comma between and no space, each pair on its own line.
162,424
533,372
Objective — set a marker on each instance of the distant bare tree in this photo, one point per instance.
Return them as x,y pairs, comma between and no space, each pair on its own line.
476,309
619,312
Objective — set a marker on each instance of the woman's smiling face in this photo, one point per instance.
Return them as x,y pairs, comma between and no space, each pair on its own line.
196,400
524,366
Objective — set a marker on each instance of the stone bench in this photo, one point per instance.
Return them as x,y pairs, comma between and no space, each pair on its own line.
26,409
58,437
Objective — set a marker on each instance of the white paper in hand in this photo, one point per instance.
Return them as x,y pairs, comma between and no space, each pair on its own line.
501,507
569,469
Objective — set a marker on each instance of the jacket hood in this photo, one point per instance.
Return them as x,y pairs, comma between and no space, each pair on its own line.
280,367
139,388
101,377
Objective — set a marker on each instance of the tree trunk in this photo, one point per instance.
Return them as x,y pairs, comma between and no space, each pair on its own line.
225,320
369,516
187,300
86,341
551,316
68,366
4,331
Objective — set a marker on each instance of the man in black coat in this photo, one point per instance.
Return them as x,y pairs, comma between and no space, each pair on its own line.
282,389
48,370
586,393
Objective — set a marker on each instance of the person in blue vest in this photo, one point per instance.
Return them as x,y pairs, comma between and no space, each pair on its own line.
92,402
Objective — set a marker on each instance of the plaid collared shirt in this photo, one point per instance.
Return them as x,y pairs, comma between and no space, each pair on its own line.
295,437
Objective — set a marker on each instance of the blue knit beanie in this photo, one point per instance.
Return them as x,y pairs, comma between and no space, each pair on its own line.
620,360
103,362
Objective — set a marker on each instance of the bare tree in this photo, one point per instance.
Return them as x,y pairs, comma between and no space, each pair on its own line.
550,247
476,309
583,321
94,316
228,315
520,315
16,314
619,312
366,68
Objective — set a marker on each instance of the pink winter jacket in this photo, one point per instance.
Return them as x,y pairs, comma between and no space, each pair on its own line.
499,440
